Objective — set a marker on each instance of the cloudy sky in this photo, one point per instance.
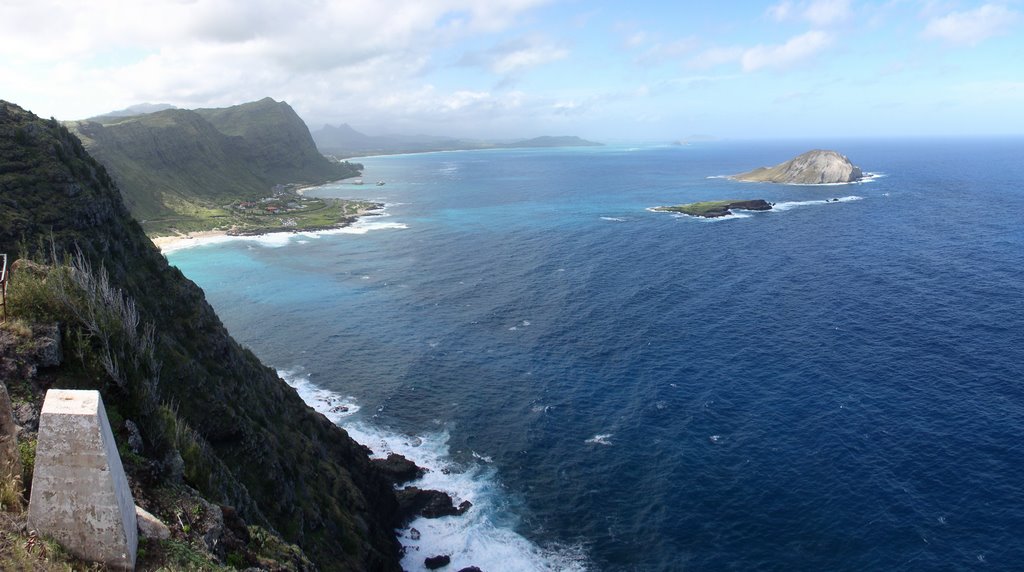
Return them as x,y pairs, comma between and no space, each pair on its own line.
606,70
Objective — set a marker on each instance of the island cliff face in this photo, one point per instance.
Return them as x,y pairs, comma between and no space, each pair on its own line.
257,446
811,168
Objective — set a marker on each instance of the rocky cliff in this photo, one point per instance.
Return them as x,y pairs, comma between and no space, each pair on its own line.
274,141
811,168
256,446
176,162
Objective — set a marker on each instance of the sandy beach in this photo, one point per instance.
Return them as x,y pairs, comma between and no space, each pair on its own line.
176,242
371,219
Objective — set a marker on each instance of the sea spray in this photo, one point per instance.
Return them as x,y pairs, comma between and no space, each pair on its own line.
485,535
365,224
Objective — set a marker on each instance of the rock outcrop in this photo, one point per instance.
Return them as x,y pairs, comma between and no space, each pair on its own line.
415,502
811,168
715,209
435,562
397,469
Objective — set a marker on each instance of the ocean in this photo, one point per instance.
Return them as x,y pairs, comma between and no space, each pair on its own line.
831,385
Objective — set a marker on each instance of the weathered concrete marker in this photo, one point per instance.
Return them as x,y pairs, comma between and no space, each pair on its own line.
80,495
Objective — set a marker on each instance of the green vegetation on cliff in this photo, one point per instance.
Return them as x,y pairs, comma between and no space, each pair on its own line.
212,417
181,170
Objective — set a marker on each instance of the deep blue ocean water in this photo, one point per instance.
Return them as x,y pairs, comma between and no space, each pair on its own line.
828,386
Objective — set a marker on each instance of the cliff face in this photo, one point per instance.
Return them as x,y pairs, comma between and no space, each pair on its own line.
177,161
810,168
273,140
284,464
163,159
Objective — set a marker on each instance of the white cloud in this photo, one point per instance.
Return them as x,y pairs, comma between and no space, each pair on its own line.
636,39
781,56
973,26
714,57
111,54
991,92
820,13
781,12
662,51
526,57
827,12
797,49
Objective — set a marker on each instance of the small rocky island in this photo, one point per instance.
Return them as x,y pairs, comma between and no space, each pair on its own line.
714,209
815,167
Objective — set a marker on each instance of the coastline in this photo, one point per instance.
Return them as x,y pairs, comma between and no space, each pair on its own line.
167,244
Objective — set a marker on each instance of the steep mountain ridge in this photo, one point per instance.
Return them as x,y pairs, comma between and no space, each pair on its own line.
273,458
163,159
178,163
273,139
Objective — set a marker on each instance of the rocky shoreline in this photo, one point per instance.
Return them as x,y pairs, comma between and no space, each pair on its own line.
177,242
414,502
715,209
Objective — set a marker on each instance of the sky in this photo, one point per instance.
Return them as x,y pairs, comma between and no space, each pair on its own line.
604,70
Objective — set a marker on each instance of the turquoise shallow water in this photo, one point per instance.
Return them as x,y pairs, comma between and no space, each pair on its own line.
831,385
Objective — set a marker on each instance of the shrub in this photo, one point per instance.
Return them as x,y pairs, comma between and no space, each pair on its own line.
27,450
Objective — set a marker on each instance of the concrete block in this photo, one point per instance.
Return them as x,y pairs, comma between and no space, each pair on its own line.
80,494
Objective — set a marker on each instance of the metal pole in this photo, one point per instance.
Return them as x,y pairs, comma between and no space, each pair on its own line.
3,284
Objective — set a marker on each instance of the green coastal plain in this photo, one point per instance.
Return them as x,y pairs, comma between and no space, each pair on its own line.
285,210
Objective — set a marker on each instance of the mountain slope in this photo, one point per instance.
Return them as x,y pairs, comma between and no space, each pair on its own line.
284,464
183,164
273,140
165,159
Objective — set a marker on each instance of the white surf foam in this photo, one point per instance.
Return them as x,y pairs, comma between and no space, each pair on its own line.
865,178
733,214
333,406
613,218
868,177
786,205
600,439
484,536
279,239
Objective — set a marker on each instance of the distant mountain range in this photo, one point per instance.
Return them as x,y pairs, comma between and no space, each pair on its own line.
177,169
344,141
185,164
138,109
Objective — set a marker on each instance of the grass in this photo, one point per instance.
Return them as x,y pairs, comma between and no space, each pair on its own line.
21,551
315,214
11,494
705,208
711,209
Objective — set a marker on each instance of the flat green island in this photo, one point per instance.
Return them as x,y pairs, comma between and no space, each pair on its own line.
714,209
